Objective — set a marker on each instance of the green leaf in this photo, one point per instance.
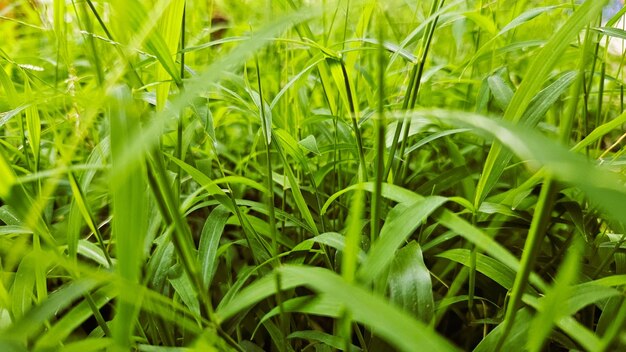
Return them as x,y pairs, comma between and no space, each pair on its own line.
7,175
399,225
433,137
515,339
502,92
301,203
354,231
92,251
81,203
574,329
209,242
202,179
611,32
184,288
600,132
309,143
265,115
22,296
409,283
327,339
447,219
526,16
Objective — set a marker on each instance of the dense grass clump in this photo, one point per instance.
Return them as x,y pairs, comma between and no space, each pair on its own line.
290,175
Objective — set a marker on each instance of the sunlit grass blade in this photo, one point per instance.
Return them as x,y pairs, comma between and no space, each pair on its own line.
130,216
169,29
7,175
33,126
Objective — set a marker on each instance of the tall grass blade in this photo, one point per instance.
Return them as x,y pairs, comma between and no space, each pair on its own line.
130,216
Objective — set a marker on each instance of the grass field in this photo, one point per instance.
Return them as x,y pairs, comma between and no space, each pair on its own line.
291,175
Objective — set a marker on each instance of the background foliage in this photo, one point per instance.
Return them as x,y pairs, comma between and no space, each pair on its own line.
290,175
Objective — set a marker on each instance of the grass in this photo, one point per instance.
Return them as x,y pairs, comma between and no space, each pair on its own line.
299,176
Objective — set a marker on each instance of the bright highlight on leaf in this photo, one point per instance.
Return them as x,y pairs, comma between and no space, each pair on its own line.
7,175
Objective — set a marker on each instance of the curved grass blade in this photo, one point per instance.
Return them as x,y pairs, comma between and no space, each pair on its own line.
400,224
602,186
331,239
321,304
385,319
485,265
35,318
209,243
540,67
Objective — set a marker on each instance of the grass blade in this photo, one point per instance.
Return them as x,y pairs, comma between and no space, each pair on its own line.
130,218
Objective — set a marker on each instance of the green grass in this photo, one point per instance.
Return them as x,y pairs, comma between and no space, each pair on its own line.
311,176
